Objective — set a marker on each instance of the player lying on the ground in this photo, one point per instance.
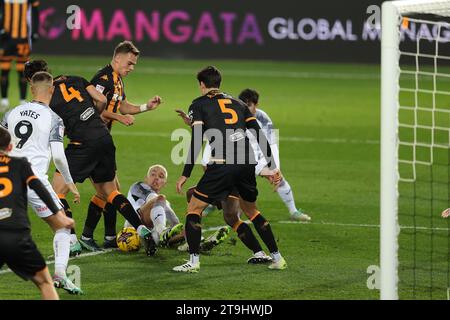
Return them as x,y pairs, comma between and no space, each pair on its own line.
17,248
39,135
156,213
153,208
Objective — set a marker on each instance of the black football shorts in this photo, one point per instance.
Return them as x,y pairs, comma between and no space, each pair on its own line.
95,159
222,180
20,253
14,50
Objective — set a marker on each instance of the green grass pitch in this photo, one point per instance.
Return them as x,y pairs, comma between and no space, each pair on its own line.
328,117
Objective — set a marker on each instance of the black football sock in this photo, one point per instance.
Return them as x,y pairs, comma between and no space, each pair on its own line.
121,204
193,229
92,219
4,83
248,238
264,230
110,216
68,211
22,86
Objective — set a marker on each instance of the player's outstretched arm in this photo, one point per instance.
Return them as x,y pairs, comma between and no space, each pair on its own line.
130,108
125,119
184,116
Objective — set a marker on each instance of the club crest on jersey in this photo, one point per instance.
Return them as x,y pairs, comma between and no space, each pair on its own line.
5,213
87,114
100,88
236,136
190,115
116,97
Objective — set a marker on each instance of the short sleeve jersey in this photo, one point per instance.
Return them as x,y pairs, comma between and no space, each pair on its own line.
15,174
73,103
138,194
110,83
33,126
224,114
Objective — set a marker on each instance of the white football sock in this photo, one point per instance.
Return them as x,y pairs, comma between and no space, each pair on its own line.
158,216
276,256
195,258
73,239
61,248
286,194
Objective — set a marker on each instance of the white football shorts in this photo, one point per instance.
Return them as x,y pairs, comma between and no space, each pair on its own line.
38,205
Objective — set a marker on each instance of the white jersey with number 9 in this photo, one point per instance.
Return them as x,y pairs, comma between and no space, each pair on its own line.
32,127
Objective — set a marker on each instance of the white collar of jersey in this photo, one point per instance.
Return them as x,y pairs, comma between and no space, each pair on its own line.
146,186
39,102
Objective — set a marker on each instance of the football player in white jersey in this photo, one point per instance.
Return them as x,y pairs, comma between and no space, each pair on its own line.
153,208
37,134
251,98
155,212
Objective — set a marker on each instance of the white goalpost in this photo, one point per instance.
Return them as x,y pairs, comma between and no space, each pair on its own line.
404,156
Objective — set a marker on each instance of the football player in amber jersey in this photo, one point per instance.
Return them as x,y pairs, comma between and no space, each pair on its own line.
17,248
109,81
224,120
19,25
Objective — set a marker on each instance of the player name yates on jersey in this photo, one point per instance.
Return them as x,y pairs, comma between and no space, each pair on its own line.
29,113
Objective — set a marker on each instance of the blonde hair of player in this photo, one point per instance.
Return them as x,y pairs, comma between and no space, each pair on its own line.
158,167
41,85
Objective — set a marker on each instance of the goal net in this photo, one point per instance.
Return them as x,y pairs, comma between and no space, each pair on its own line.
415,149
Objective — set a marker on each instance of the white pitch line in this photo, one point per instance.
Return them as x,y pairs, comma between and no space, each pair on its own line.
285,138
96,253
83,255
90,254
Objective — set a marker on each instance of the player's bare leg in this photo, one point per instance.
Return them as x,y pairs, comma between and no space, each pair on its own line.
43,281
264,230
193,229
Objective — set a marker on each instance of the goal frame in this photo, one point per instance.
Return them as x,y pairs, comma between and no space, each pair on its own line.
389,178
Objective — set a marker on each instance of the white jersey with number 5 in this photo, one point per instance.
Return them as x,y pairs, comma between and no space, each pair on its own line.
32,127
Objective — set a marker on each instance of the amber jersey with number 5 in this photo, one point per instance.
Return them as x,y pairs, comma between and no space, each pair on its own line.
72,102
219,111
15,174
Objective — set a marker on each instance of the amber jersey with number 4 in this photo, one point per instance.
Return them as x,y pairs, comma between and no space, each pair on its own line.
73,103
15,174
